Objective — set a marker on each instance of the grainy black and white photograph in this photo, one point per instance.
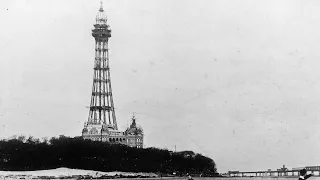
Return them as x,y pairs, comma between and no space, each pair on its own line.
160,89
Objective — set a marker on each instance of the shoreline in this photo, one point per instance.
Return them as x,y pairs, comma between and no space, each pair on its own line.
67,173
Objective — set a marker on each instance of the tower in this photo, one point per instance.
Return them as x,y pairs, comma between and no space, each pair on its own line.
102,106
102,124
101,114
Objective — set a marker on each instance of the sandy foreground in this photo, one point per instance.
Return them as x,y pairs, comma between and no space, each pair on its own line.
66,172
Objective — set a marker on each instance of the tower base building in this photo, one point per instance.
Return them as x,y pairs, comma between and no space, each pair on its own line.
132,136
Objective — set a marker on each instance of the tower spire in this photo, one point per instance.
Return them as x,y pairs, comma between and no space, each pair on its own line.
101,17
101,6
133,124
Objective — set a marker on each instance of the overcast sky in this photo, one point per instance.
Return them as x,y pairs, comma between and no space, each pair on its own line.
238,81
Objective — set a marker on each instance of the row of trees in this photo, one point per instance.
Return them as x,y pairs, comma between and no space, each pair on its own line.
33,154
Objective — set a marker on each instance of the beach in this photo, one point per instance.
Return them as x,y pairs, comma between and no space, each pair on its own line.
67,173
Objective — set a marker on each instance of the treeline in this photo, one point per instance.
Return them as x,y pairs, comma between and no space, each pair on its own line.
22,153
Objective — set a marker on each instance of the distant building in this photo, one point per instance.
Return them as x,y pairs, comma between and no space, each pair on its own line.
313,168
102,124
134,135
298,168
308,168
283,168
233,172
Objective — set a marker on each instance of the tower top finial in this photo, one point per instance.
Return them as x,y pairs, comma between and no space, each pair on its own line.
101,6
101,17
133,124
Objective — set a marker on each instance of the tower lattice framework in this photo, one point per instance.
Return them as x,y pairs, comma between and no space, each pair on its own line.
102,105
101,124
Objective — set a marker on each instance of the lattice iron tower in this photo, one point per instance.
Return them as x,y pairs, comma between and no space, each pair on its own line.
101,124
102,105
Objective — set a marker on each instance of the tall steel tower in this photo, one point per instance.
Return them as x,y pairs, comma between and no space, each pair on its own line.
101,106
101,124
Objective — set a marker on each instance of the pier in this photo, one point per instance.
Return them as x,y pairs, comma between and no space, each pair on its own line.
283,172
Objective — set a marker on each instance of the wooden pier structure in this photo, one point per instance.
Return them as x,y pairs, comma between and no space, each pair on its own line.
315,170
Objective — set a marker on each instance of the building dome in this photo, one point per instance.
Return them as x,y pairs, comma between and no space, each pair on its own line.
134,129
